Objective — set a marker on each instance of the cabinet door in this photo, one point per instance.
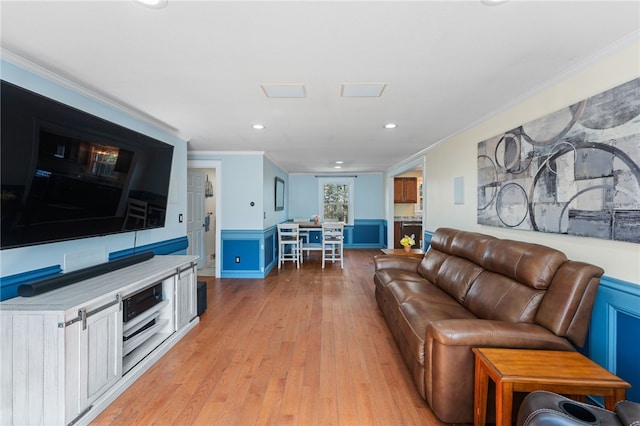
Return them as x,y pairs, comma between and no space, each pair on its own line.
398,190
416,230
100,349
411,190
397,234
405,190
186,294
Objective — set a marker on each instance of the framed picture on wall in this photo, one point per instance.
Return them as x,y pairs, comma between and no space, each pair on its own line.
279,194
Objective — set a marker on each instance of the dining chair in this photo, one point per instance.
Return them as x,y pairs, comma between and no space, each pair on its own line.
136,213
289,244
332,242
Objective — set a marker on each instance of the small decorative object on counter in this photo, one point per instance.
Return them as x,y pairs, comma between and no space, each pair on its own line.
315,218
407,242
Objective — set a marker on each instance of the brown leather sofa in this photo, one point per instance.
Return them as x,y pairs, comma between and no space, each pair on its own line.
474,290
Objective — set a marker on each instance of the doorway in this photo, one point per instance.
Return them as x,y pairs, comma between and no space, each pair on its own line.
412,212
203,219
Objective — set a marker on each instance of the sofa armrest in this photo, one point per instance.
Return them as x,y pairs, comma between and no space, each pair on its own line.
390,261
449,361
500,334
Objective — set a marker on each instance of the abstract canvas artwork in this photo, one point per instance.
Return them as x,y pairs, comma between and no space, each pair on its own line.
575,171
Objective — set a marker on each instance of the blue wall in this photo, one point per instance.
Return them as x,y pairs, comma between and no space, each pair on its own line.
248,232
368,196
248,254
614,336
257,250
9,284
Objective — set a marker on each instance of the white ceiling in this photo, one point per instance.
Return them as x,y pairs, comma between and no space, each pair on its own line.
198,66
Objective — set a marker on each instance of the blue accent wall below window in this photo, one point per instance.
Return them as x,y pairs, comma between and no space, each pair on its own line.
367,233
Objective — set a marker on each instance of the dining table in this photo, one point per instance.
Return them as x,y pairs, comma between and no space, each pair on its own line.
310,243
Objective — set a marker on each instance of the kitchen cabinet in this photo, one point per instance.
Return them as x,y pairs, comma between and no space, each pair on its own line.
68,353
407,227
415,228
397,234
405,190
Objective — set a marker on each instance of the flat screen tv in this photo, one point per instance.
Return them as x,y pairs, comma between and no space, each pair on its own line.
67,174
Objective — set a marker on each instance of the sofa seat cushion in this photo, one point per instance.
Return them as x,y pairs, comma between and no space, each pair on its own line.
417,312
386,276
402,290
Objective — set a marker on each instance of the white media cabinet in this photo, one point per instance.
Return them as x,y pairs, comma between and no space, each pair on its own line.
63,359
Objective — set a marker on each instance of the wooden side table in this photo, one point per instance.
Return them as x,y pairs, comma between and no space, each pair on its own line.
523,370
402,252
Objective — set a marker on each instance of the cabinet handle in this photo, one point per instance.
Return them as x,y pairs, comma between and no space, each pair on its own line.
83,314
103,307
185,269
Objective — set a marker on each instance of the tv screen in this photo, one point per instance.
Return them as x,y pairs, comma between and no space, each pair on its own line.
67,174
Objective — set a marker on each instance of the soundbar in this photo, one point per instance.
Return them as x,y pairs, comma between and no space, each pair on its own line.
59,281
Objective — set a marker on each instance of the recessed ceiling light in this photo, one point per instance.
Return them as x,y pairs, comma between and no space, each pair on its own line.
337,167
339,162
390,126
258,126
155,4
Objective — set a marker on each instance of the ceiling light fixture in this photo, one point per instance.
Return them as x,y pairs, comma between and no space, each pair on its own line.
154,4
390,126
339,162
258,126
337,167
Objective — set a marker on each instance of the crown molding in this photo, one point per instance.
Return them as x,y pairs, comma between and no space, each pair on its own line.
91,93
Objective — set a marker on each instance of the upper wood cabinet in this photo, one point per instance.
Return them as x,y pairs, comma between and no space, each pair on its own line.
405,190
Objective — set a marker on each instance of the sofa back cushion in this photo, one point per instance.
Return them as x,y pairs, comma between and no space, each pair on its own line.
439,251
454,260
470,245
431,263
497,297
456,275
513,281
530,264
443,238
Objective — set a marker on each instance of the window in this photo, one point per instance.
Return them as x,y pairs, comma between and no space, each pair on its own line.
336,199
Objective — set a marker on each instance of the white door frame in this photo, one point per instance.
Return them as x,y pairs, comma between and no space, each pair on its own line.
217,165
413,164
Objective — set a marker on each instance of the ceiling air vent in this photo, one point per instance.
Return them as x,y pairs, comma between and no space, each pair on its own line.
362,90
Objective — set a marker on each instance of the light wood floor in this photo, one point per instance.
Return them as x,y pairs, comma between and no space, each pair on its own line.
301,347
